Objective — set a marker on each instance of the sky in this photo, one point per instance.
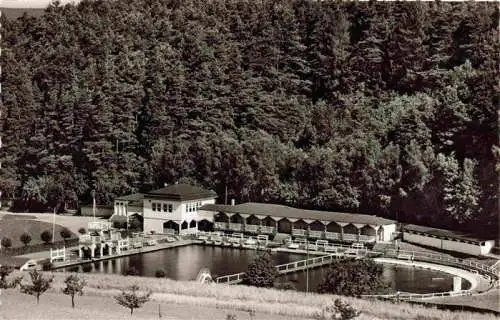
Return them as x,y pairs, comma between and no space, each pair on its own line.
30,3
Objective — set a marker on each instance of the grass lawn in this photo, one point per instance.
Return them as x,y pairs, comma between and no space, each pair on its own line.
191,300
58,306
489,300
13,228
73,223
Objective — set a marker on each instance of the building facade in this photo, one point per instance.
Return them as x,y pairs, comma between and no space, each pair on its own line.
174,209
447,240
263,218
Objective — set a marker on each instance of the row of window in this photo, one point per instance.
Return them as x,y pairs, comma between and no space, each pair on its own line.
193,206
168,207
157,206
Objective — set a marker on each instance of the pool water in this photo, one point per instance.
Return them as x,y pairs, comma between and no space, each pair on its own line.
184,263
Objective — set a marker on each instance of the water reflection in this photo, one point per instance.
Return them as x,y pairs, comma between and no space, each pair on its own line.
184,263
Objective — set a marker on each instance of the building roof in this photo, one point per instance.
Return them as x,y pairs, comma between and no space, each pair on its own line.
181,192
289,212
131,197
444,234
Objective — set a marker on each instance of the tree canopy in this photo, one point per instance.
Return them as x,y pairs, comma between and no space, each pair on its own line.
382,108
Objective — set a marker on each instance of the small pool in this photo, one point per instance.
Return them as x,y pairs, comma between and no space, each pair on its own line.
184,263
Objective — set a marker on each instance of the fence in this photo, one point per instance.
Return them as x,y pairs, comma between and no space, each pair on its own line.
416,297
57,254
491,272
283,268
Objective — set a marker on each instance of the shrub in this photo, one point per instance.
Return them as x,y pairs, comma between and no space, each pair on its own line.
338,311
160,273
132,299
25,238
285,285
119,225
38,285
132,272
82,231
6,242
47,265
65,234
46,236
261,271
353,278
4,273
74,286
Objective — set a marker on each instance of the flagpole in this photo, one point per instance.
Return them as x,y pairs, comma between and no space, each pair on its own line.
54,226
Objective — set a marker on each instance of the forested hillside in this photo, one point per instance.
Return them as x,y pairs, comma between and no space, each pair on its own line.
381,108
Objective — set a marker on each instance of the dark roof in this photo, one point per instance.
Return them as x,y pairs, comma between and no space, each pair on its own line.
132,197
181,192
289,212
117,218
442,233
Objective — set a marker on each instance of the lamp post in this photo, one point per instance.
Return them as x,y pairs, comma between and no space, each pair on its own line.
126,212
93,202
307,265
54,226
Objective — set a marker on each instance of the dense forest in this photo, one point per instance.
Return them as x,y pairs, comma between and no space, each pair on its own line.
381,108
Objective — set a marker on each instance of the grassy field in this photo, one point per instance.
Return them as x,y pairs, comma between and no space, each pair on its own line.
13,228
489,300
194,298
73,223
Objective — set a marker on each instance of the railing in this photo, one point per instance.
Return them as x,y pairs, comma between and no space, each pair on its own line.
332,235
236,226
169,231
57,254
232,278
316,234
345,250
442,259
350,237
299,232
88,239
418,296
99,225
266,229
282,268
364,238
251,228
220,225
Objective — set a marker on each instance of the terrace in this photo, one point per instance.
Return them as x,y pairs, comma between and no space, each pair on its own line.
260,218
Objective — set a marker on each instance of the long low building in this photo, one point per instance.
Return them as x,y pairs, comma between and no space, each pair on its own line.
447,240
266,218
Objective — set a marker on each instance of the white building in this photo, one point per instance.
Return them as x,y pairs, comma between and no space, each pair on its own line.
447,240
174,209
